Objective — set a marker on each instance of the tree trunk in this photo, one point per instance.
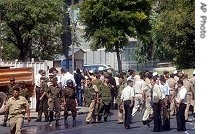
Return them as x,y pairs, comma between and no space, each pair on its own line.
118,59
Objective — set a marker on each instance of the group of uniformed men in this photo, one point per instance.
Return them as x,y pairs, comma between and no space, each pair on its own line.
159,97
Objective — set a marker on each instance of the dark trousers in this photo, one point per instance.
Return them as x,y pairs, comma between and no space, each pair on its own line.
79,94
166,119
180,118
114,96
103,110
157,117
128,112
37,98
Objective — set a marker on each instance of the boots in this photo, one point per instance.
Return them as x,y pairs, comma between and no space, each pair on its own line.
74,120
57,123
65,121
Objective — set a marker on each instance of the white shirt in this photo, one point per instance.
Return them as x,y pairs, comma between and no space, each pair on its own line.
138,86
37,80
165,89
117,81
127,93
182,94
65,77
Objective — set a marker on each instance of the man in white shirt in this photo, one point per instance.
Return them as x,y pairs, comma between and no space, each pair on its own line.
165,103
66,76
181,101
127,98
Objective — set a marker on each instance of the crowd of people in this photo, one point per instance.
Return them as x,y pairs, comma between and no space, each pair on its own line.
158,97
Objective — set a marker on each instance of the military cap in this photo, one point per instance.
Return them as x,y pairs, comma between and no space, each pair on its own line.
106,75
12,79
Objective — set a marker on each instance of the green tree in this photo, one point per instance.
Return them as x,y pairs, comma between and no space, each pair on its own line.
27,21
109,23
176,27
173,33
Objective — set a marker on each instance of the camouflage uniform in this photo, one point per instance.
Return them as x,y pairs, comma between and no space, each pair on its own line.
69,95
54,101
90,97
105,100
43,105
118,101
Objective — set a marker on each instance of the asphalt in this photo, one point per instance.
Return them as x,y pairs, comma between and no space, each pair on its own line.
33,123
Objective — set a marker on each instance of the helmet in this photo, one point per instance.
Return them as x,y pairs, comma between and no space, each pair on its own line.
69,83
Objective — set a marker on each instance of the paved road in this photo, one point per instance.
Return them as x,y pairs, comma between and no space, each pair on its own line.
110,127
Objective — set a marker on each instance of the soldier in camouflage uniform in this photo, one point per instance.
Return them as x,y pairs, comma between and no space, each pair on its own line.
69,101
54,101
122,85
43,105
105,99
91,99
97,82
24,91
9,92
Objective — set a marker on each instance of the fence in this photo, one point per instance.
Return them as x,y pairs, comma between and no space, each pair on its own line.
45,65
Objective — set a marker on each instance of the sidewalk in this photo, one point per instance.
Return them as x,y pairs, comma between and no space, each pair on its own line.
5,130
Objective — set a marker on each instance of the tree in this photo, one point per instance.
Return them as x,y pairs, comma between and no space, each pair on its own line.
109,23
27,21
173,32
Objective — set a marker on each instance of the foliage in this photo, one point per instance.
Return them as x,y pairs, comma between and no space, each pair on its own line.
27,21
172,37
176,24
109,23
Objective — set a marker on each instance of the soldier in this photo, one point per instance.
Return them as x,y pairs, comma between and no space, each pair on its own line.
122,85
54,101
43,105
24,91
70,101
172,83
17,106
190,91
91,99
105,99
138,86
9,92
192,80
146,102
97,82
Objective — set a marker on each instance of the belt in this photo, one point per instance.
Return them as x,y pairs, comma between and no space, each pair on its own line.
138,93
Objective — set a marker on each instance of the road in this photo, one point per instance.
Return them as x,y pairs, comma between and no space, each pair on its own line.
110,127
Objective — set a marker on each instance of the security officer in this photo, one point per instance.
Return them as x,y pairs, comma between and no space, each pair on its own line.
43,105
97,82
54,101
17,106
122,85
105,99
70,102
146,100
91,99
190,94
24,91
9,92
